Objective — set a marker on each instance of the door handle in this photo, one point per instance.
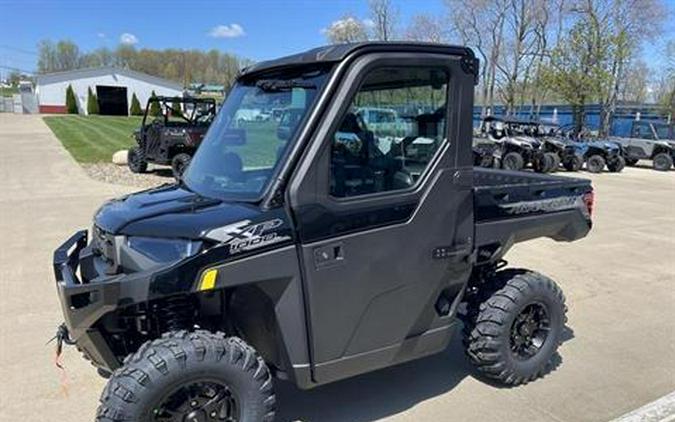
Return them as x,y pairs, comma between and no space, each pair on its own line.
328,255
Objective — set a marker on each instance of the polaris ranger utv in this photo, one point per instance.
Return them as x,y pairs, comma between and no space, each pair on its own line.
320,256
172,137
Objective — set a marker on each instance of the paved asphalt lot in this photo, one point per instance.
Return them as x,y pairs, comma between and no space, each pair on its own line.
619,282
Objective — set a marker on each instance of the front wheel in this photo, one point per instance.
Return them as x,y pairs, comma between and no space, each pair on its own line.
136,160
595,163
514,326
179,163
190,376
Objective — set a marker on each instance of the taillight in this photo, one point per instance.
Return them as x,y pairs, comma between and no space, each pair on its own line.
589,200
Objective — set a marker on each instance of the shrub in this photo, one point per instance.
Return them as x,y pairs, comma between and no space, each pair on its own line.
135,109
71,101
92,102
155,109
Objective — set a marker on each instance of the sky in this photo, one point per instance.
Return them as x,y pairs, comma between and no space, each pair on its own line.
255,29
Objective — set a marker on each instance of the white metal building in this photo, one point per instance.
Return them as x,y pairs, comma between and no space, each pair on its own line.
113,87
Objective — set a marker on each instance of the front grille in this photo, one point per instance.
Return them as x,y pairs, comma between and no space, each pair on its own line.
103,245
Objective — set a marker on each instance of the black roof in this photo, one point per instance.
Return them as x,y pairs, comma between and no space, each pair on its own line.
514,120
338,52
160,98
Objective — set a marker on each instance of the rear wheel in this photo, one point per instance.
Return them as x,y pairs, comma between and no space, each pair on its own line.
136,160
513,161
663,162
616,165
179,163
556,162
514,326
190,376
573,162
595,163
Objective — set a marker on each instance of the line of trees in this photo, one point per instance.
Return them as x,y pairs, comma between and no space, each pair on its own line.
541,51
183,66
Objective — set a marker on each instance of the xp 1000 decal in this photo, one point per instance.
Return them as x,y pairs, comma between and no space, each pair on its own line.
243,236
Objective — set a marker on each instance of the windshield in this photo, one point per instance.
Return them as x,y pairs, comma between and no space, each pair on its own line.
247,140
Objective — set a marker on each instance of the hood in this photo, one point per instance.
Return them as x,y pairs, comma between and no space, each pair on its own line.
169,211
605,144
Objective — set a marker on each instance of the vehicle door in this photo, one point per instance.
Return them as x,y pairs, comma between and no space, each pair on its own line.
386,234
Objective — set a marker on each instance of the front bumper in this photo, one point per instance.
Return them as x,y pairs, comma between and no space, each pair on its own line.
83,303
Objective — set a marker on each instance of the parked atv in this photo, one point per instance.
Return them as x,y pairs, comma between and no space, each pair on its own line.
580,148
517,146
650,141
172,137
483,152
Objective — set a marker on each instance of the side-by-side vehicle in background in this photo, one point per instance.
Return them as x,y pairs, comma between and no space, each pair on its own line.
649,140
173,136
517,144
320,256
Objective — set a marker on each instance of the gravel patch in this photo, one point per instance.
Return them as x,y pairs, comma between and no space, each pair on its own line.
121,175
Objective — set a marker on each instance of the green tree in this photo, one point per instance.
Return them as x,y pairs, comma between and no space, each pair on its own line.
92,102
578,67
155,109
71,101
175,105
135,109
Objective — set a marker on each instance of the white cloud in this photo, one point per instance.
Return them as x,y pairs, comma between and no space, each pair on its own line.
368,23
101,35
128,39
227,31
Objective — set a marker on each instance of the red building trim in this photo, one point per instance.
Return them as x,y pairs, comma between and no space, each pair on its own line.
53,109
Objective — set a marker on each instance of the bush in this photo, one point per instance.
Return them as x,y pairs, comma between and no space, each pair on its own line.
92,102
155,109
135,109
71,101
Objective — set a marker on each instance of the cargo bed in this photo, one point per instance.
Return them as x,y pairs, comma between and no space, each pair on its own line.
513,207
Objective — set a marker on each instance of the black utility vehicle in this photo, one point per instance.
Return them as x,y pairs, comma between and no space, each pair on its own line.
320,256
172,137
517,145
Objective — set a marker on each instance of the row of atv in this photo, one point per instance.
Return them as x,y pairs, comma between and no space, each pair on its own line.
514,144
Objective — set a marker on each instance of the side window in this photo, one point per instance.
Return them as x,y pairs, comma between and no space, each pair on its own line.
391,131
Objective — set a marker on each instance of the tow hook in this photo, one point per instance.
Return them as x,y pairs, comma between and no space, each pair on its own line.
62,337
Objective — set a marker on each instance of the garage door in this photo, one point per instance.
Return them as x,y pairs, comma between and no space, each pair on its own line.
112,100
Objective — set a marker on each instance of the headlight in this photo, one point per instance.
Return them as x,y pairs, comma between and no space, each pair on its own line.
163,250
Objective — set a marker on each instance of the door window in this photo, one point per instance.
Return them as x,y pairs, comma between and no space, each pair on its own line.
391,131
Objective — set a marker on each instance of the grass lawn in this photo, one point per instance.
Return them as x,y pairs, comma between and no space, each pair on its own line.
8,92
91,139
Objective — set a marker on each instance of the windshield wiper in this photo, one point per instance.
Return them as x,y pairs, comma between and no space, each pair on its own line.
273,85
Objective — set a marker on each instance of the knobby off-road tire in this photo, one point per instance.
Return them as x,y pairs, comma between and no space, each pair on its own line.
179,163
573,162
136,160
595,163
496,326
207,374
616,165
556,162
662,162
513,161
